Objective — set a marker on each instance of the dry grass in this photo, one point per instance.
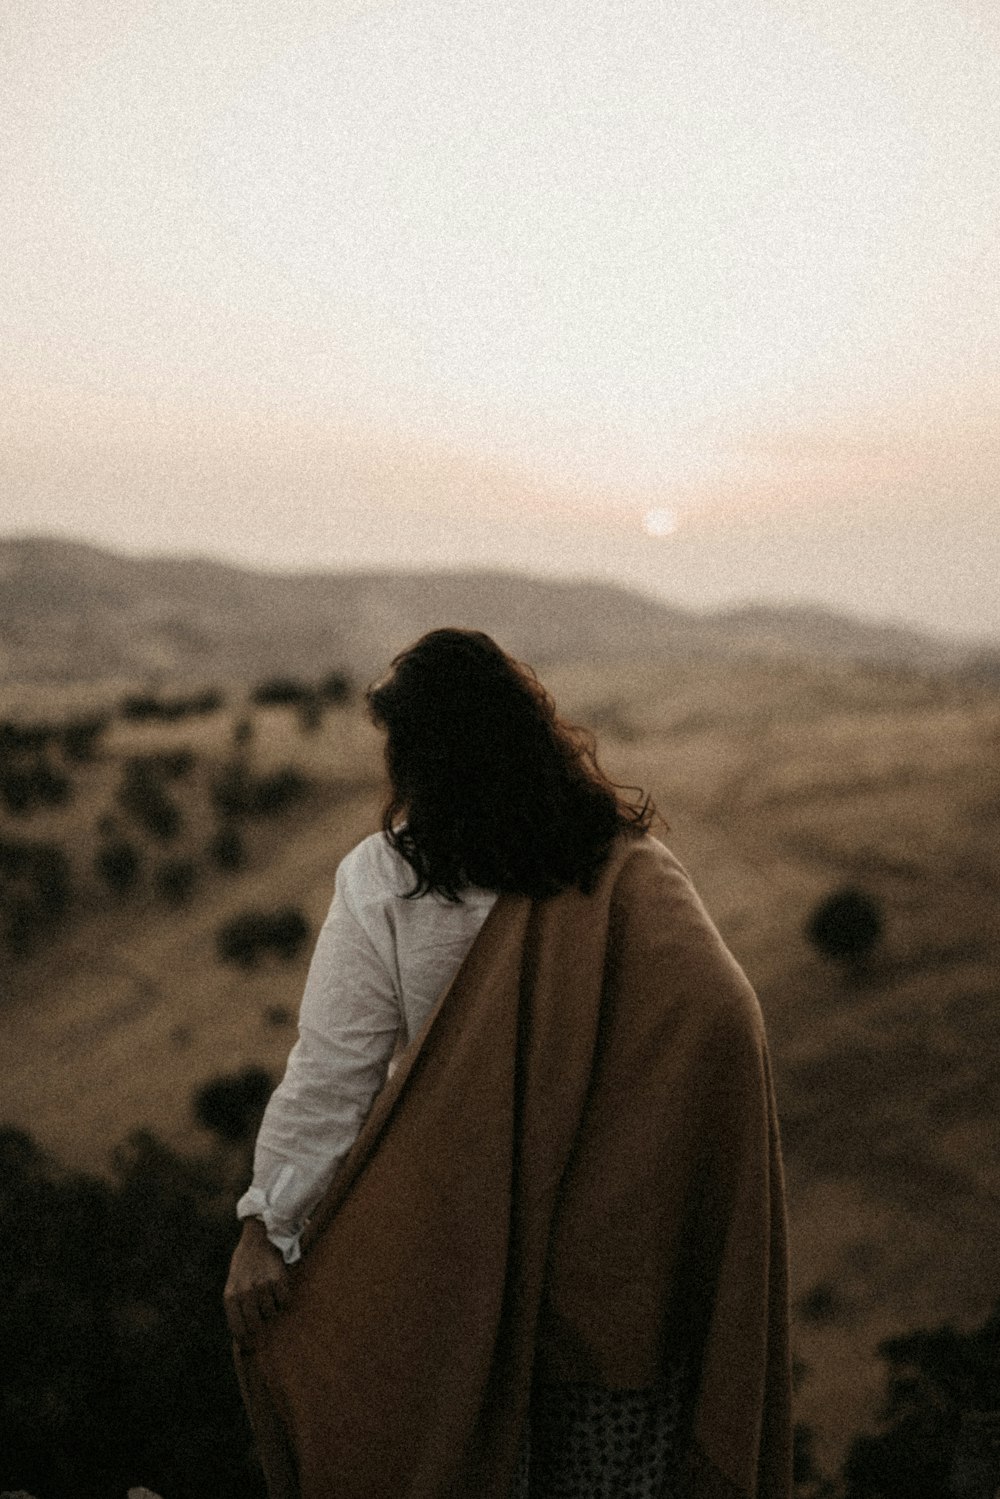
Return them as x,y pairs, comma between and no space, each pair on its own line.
779,781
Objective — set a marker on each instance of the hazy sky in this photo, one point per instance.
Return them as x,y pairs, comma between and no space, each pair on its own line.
701,294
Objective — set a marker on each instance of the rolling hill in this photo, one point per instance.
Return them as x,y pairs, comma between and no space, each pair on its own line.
783,768
71,611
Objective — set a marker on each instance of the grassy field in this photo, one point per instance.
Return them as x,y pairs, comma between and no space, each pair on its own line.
780,781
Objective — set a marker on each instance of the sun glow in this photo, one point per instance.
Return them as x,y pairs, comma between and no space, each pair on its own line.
659,522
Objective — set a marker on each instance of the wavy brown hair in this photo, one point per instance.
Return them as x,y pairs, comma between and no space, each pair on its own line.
495,789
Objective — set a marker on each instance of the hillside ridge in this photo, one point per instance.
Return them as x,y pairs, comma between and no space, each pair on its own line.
73,610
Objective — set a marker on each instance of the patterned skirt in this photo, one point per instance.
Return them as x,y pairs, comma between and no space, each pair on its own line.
585,1442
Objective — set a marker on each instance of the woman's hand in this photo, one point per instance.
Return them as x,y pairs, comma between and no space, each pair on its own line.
258,1284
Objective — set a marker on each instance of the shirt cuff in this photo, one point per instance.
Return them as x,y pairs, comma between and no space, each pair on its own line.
254,1204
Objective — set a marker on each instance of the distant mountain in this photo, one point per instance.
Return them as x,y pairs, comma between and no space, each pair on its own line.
70,610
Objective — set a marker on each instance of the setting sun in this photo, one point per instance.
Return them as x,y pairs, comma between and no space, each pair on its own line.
659,522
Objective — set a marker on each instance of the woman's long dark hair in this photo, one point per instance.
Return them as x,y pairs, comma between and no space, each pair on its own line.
495,788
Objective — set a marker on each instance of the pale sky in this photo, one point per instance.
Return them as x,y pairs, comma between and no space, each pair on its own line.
702,295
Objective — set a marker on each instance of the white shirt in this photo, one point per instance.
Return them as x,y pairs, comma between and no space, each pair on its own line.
379,964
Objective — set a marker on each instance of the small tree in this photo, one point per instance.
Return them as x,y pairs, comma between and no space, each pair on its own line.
79,736
236,792
240,939
936,1379
336,688
53,879
232,1106
227,849
846,926
310,712
278,791
208,701
243,731
25,738
175,880
143,796
289,930
117,864
36,783
138,706
35,891
175,765
279,692
245,936
230,789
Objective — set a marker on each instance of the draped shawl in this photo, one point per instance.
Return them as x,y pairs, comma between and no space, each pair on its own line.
573,1172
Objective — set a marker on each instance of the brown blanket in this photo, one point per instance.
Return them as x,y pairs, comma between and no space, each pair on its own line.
574,1170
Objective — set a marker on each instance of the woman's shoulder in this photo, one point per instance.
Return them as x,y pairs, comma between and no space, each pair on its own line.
375,873
373,870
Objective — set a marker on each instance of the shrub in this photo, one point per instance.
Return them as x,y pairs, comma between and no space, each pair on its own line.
336,688
35,891
243,731
142,795
52,877
35,784
227,850
935,1377
245,936
289,930
236,792
175,765
821,1304
79,736
146,705
117,1366
278,791
846,925
209,701
117,864
23,924
228,791
25,738
175,880
279,692
232,1106
310,711
139,705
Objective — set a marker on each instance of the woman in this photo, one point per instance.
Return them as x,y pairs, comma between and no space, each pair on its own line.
543,1254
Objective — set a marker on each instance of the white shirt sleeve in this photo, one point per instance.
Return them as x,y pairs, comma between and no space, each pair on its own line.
349,1020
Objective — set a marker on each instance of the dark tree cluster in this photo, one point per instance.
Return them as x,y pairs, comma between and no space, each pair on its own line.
146,705
227,850
246,936
36,889
25,738
941,1384
79,736
232,1106
117,863
117,1368
847,926
309,699
29,778
172,765
236,792
336,687
280,692
75,737
175,880
31,782
243,731
143,795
